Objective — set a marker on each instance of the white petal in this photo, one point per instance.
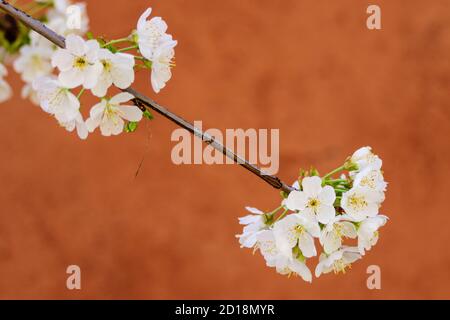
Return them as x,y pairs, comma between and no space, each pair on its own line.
348,229
122,76
312,185
75,45
325,214
306,244
296,201
121,98
131,113
62,59
71,78
331,242
82,130
254,210
143,19
92,75
103,84
301,269
327,195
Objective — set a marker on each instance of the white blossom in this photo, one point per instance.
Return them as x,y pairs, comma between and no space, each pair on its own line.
33,62
78,63
297,230
109,115
254,223
361,202
368,232
56,99
314,199
162,64
364,157
333,233
77,124
285,265
338,261
151,34
117,69
370,178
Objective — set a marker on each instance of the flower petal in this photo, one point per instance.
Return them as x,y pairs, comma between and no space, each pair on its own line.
131,113
121,98
296,201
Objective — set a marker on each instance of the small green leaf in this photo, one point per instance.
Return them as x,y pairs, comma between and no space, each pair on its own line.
147,114
90,35
131,127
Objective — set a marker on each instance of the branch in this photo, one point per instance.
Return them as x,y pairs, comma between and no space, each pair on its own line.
144,102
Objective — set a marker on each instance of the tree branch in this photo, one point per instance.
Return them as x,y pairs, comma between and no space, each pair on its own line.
143,102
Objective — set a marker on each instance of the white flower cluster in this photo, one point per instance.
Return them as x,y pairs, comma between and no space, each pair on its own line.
330,210
34,59
94,65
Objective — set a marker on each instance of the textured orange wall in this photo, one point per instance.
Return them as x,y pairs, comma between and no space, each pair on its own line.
309,68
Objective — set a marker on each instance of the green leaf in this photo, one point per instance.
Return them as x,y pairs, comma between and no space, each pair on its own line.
147,114
131,127
90,35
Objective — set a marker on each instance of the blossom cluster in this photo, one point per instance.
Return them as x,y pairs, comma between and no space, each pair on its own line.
331,210
56,79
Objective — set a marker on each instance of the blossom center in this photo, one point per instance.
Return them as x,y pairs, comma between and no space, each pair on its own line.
340,266
356,202
107,65
80,63
314,204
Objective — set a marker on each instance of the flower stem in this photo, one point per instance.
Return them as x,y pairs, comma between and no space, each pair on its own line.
116,41
325,177
127,48
281,216
80,93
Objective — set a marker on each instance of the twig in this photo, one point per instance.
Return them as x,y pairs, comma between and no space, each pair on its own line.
142,101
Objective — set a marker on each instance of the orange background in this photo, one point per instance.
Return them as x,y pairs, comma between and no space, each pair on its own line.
311,69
